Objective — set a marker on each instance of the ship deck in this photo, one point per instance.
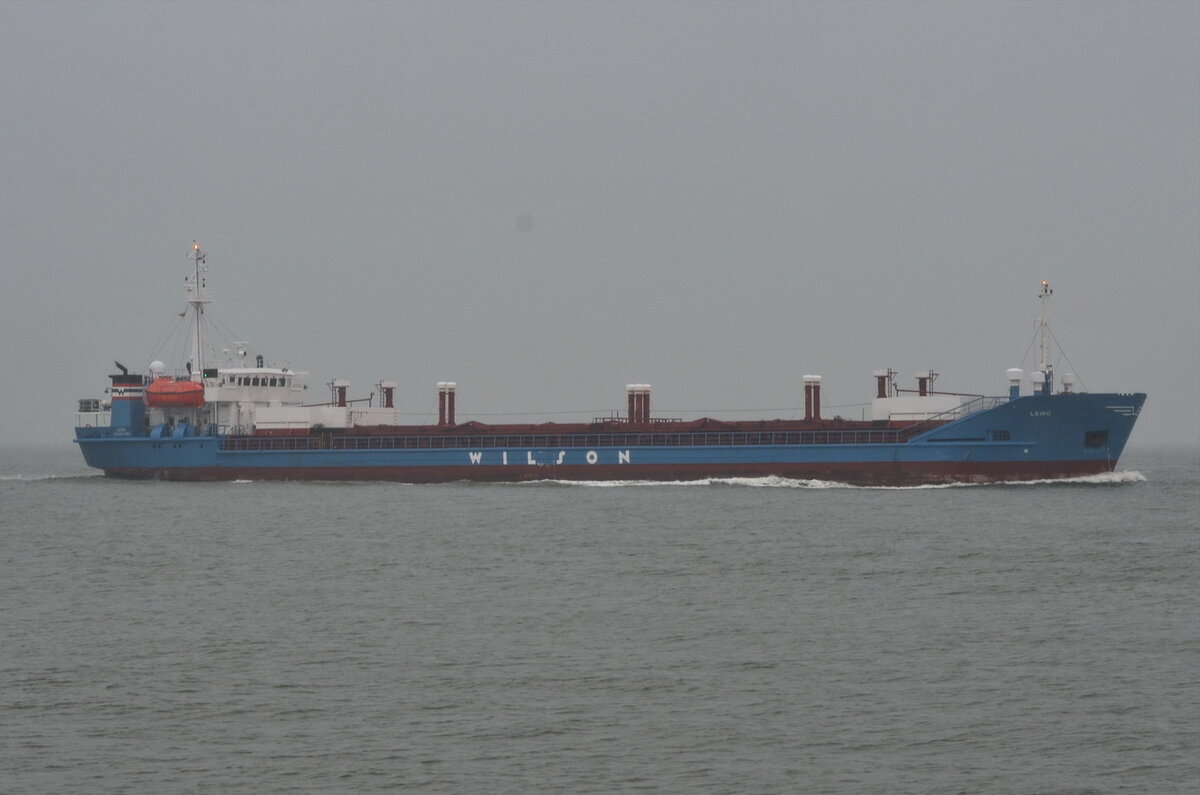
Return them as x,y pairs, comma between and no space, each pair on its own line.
558,440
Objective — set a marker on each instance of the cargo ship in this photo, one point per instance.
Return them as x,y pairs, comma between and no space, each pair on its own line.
230,415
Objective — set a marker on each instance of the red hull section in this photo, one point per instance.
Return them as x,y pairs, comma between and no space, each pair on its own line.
169,393
858,473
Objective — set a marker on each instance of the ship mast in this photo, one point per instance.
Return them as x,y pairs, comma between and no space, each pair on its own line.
195,285
1043,329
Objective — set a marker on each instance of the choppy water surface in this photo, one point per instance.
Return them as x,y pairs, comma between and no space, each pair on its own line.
729,636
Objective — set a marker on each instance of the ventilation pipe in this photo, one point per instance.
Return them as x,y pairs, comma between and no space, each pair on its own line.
1015,376
386,390
339,391
1039,382
446,402
882,379
812,398
638,397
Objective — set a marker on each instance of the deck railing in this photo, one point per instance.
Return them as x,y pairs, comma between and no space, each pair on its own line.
958,412
93,419
560,441
557,441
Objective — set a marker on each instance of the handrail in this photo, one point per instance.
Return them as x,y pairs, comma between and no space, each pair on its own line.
559,440
328,441
981,403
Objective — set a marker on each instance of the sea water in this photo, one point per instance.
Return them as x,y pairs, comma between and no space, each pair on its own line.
724,636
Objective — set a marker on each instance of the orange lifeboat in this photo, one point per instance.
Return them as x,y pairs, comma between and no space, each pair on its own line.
164,391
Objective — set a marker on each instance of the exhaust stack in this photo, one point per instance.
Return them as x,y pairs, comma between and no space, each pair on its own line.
128,402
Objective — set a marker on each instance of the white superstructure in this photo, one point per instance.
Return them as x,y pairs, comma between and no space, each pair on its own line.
240,398
899,405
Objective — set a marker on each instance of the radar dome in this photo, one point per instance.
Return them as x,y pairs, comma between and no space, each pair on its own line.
157,368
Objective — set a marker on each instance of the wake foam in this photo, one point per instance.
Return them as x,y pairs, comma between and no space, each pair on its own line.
770,481
1102,479
1120,478
775,482
42,478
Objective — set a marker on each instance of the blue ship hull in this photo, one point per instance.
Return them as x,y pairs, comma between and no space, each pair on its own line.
1024,438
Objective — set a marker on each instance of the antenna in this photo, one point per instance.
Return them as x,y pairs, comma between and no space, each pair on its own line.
196,288
1043,328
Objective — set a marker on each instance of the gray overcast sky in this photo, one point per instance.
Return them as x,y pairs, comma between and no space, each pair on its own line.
723,197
